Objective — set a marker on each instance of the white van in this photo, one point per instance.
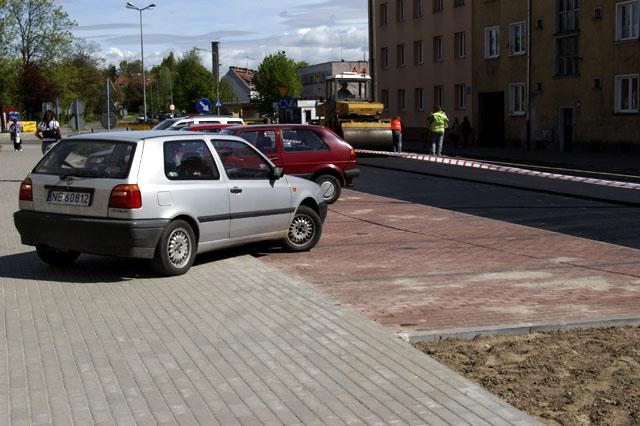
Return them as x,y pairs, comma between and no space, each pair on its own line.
180,122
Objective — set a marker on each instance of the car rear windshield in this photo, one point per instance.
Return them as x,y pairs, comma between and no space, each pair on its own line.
165,124
84,158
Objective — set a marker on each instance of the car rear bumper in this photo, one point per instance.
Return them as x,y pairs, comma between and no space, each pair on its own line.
126,238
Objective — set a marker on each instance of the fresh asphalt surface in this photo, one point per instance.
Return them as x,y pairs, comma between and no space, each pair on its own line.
463,190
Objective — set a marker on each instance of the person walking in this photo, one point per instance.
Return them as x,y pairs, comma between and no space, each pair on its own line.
466,130
396,129
48,131
438,123
454,134
14,133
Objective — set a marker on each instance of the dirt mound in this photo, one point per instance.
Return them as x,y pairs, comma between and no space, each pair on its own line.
570,377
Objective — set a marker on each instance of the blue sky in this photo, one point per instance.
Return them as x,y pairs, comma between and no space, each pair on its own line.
309,30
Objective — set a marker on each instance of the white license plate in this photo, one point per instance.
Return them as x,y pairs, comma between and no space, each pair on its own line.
69,198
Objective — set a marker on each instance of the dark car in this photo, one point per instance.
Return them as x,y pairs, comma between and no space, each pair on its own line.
311,152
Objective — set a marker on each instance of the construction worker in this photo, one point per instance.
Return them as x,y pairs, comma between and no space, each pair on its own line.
396,129
438,123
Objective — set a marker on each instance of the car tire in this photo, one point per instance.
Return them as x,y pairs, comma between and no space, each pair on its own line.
176,249
330,187
304,231
56,257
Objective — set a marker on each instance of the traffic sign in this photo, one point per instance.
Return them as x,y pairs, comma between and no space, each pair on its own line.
77,122
108,121
109,90
172,107
287,103
77,107
218,104
204,106
283,91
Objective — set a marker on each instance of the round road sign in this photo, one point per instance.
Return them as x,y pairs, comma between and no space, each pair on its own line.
172,107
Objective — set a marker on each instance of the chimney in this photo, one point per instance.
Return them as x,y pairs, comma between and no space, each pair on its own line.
215,61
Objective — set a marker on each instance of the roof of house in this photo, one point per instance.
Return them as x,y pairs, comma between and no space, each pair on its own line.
243,75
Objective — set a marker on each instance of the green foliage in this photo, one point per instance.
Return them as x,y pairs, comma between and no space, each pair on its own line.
130,68
275,71
192,81
42,30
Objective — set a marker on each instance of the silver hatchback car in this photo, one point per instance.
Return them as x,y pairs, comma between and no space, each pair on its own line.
162,195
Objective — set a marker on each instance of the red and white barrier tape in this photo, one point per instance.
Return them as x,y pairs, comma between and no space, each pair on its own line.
494,167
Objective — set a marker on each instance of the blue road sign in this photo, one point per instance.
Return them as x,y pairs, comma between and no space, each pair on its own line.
204,106
13,116
218,104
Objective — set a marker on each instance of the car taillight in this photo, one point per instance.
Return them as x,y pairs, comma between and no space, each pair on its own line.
26,190
125,197
353,154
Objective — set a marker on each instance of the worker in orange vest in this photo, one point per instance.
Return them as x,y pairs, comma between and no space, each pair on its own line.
396,129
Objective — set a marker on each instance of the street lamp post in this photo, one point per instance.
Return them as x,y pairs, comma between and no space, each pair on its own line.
144,82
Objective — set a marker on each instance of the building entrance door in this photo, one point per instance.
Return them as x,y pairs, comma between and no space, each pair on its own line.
491,119
566,129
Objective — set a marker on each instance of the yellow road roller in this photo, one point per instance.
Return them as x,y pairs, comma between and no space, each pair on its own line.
350,113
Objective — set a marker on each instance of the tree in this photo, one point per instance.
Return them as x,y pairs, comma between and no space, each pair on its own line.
34,88
130,68
42,29
192,81
276,71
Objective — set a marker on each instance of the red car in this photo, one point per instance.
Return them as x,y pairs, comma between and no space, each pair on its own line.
311,152
206,128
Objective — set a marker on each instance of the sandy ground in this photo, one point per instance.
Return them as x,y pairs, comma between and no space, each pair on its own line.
571,377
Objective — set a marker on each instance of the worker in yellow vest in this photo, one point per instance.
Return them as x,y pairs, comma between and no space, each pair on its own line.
438,123
396,129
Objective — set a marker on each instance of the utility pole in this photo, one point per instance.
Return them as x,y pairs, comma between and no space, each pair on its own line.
215,65
529,75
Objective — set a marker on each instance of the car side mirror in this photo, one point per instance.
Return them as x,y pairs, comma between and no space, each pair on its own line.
277,173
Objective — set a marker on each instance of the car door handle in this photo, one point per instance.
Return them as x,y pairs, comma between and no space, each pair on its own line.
236,190
273,158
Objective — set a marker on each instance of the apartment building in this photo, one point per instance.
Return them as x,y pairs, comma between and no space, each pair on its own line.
314,76
420,53
581,93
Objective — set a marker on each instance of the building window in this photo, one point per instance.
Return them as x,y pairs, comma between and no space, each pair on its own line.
517,99
384,95
418,8
567,56
438,6
400,10
438,49
418,56
438,96
492,42
401,104
568,15
517,38
400,55
627,20
461,98
384,14
460,48
384,57
627,94
418,95
458,3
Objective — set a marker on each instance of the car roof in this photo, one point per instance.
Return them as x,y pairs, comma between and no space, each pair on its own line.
134,135
274,126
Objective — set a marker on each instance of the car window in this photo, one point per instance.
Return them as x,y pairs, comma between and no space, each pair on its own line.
86,158
298,140
234,122
208,122
189,160
264,140
165,124
240,161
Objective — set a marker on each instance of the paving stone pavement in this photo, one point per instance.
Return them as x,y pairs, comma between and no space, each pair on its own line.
235,341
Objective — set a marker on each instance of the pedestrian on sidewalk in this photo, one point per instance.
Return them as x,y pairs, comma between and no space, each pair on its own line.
438,123
48,131
14,133
466,130
396,129
454,133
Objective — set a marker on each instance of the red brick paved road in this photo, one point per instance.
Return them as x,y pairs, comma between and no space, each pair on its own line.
410,266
